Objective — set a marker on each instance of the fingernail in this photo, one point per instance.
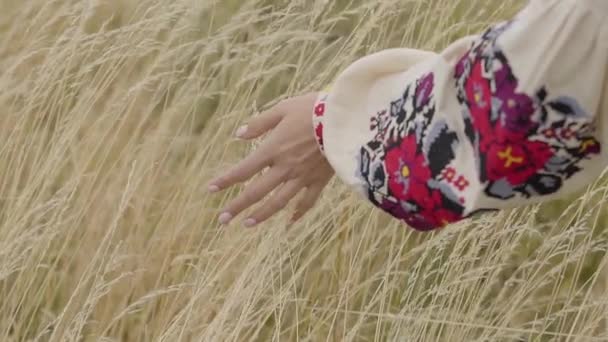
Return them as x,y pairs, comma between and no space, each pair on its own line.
213,188
241,131
225,218
250,222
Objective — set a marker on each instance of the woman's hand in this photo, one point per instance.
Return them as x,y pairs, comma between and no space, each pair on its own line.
292,160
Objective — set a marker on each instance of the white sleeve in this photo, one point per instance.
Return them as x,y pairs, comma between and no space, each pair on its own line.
498,120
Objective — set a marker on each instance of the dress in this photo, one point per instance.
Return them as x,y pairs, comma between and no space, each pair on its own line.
513,116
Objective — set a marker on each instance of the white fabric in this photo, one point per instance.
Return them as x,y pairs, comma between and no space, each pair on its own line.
546,74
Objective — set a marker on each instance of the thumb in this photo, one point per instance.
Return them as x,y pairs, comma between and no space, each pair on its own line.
262,123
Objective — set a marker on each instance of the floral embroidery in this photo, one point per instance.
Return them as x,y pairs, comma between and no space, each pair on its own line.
319,112
409,171
320,109
462,184
319,135
525,145
405,165
449,173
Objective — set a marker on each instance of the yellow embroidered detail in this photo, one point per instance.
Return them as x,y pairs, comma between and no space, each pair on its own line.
405,171
507,156
587,144
477,97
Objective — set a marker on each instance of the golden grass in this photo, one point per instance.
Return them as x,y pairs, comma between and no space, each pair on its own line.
115,114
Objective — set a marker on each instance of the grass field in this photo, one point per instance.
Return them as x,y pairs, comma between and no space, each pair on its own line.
116,113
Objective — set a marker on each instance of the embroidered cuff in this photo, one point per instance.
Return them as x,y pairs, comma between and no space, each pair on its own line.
317,119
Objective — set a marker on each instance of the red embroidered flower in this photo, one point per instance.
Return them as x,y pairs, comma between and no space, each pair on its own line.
319,109
319,134
407,171
515,134
408,182
516,161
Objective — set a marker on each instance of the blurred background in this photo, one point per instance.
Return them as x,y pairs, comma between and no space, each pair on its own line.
114,115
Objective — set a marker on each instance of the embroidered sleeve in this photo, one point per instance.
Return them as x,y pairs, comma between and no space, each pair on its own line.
498,120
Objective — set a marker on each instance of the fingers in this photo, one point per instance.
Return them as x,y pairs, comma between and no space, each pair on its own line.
259,158
262,123
252,194
274,204
243,170
307,201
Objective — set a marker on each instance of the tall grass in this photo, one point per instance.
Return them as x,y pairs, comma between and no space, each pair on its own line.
116,113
